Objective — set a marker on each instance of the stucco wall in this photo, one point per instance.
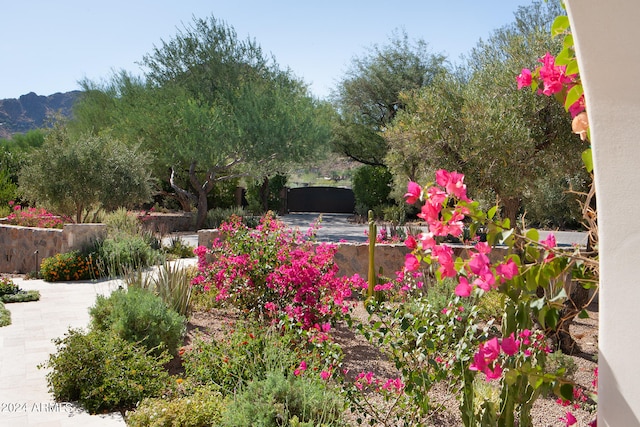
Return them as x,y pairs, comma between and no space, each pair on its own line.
18,245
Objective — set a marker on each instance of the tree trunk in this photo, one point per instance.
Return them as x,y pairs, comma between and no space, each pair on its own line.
510,209
577,301
185,198
203,190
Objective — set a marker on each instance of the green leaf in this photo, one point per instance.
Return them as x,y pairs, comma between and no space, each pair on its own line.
572,96
572,67
552,317
566,391
533,234
492,212
587,159
560,25
583,314
567,42
511,377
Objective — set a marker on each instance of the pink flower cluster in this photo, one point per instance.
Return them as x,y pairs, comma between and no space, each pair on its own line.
487,358
272,272
34,217
367,380
554,81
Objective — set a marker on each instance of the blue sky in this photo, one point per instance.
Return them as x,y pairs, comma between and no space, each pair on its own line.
48,46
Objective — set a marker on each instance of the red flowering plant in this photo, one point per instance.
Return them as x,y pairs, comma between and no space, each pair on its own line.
34,217
275,273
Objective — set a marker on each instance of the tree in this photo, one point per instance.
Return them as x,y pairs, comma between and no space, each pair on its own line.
70,175
368,97
508,143
210,107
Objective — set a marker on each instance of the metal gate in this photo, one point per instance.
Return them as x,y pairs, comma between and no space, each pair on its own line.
320,199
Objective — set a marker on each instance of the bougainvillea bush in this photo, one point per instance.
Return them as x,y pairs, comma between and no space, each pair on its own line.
275,273
34,217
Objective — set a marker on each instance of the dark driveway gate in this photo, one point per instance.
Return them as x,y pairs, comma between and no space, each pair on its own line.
320,199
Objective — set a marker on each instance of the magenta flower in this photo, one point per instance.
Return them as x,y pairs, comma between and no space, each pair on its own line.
300,369
325,375
569,419
524,79
411,263
410,242
510,345
413,192
463,289
508,270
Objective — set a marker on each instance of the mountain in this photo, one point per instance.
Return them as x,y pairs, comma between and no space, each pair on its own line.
30,111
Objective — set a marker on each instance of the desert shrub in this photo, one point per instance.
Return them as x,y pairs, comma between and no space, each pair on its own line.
139,316
371,189
121,221
201,409
216,217
10,292
68,266
170,281
245,353
103,372
117,254
179,249
5,315
272,271
281,400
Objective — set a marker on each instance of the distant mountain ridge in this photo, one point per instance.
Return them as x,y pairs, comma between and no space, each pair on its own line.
30,111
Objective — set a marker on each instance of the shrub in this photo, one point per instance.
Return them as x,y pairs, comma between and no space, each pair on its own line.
117,254
68,266
202,409
7,286
177,248
371,189
281,400
218,216
139,316
271,271
103,372
245,353
170,281
33,217
5,315
20,296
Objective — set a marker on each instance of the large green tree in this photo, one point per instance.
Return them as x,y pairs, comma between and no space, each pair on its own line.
368,97
210,107
70,174
510,144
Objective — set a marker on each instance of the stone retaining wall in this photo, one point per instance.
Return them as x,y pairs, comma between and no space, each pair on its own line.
353,258
22,249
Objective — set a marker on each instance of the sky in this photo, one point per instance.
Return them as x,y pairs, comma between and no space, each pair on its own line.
49,46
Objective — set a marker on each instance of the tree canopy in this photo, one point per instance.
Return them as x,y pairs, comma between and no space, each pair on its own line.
368,97
209,107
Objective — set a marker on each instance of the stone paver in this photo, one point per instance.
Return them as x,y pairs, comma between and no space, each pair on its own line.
27,342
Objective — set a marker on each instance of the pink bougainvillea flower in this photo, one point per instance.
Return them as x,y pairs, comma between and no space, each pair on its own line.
508,270
414,191
577,107
410,242
491,349
300,369
453,183
463,289
524,79
510,345
325,375
483,247
493,374
553,76
479,263
485,281
549,242
569,419
411,263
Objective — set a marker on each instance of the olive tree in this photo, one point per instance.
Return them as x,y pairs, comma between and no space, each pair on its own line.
70,175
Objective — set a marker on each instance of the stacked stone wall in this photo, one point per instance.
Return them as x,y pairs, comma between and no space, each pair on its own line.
22,249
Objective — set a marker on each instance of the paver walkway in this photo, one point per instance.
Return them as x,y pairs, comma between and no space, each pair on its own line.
24,398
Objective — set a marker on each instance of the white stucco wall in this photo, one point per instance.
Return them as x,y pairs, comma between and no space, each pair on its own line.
607,37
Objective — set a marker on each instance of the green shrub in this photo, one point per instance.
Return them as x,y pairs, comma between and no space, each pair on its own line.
202,409
139,316
170,281
121,221
218,216
20,296
115,255
371,189
68,266
281,400
244,354
5,316
179,249
103,372
7,286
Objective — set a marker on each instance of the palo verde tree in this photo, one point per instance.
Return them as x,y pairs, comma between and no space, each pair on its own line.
210,107
368,100
71,175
